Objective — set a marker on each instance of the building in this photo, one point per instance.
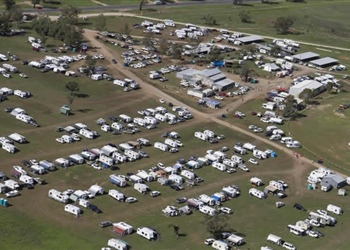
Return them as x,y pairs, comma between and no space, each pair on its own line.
305,57
315,86
324,62
224,84
271,67
210,103
336,181
250,39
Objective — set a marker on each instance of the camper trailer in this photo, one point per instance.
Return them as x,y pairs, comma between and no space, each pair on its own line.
219,166
161,146
275,239
188,174
257,193
207,210
11,184
69,208
49,166
58,196
135,179
231,191
86,133
256,181
145,176
207,200
77,159
117,244
106,161
116,195
220,245
334,209
125,118
176,178
141,188
147,233
122,228
61,162
201,136
117,180
194,203
171,143
132,154
235,240
17,138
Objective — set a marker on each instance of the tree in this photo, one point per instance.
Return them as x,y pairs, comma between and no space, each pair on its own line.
141,4
282,24
90,65
73,35
329,87
5,24
275,50
175,51
16,14
245,72
70,13
35,2
42,25
163,46
306,95
289,110
209,20
214,54
244,16
73,88
100,23
8,4
216,224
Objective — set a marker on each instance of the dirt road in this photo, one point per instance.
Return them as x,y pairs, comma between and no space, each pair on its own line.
155,92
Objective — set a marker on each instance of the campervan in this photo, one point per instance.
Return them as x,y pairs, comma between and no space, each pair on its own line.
147,233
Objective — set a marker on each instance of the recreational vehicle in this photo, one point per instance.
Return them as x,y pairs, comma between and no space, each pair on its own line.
116,195
207,210
147,233
117,180
69,208
207,200
257,193
122,228
275,239
220,245
161,146
58,196
117,244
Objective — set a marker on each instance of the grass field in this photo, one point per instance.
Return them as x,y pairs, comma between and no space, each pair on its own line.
330,29
43,224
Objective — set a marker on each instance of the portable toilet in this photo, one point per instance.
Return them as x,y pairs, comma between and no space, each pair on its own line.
309,187
1,201
4,203
65,109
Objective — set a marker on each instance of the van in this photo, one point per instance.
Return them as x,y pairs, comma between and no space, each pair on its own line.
220,245
275,239
147,233
334,209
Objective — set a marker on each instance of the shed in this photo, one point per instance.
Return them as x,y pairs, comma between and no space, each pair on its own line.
250,39
187,74
315,86
307,56
336,181
324,62
224,84
65,109
212,103
210,72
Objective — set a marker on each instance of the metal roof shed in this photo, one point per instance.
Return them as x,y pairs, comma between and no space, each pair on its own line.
224,84
210,72
307,56
218,77
187,73
212,103
324,62
250,39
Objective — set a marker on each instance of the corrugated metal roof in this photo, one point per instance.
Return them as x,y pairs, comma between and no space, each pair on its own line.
324,61
210,72
306,56
218,77
307,84
224,82
250,39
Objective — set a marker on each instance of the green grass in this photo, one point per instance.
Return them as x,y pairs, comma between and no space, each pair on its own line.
61,3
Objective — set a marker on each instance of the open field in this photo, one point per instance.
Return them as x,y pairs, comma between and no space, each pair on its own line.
329,29
55,229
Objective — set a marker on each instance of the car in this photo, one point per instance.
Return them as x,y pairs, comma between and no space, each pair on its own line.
312,233
265,120
240,114
154,193
94,209
161,101
174,150
33,162
224,149
96,166
114,61
8,109
181,200
288,246
131,200
225,210
163,79
258,130
231,170
319,233
209,241
213,140
220,137
143,154
252,127
23,75
198,179
253,161
299,207
176,187
12,193
243,167
103,224
218,97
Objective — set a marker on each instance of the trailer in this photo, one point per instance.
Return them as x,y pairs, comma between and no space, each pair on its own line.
117,195
161,146
176,178
17,138
145,176
106,161
117,180
76,158
62,162
58,196
141,188
69,208
48,165
108,150
194,203
207,199
249,146
122,228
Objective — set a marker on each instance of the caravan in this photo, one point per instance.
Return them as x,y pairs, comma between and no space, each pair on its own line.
69,208
58,196
117,244
188,174
207,210
207,200
275,239
116,195
161,146
117,180
219,166
257,193
220,245
147,233
201,136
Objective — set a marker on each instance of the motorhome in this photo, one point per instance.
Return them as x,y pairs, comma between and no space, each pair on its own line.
58,196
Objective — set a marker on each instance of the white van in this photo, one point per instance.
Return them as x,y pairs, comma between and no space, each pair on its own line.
220,245
147,233
334,209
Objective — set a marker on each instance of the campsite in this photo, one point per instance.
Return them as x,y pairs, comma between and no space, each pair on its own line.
122,128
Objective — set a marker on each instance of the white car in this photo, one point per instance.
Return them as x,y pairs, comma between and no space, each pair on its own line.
252,127
96,166
289,246
131,200
312,234
258,130
161,101
218,97
265,120
225,210
154,193
23,75
60,140
315,223
239,113
12,193
253,161
243,167
209,241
